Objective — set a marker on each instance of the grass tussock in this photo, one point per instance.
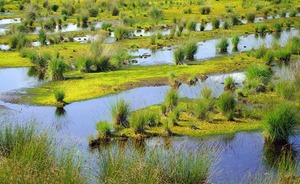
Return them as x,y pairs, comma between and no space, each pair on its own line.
281,123
59,95
28,156
103,129
120,113
171,99
226,103
190,50
222,45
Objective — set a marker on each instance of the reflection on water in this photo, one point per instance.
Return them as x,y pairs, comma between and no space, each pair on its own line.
60,112
207,49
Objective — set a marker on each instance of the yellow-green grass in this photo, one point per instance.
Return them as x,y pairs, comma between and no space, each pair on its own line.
12,60
94,85
218,125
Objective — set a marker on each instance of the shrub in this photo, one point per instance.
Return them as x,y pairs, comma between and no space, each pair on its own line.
190,50
120,33
179,55
171,99
120,112
250,17
56,68
222,45
229,83
59,95
215,23
226,103
235,41
104,129
191,26
281,123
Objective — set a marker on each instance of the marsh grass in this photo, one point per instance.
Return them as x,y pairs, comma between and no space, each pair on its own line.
235,41
206,93
120,33
59,95
229,83
179,56
155,166
42,37
120,113
171,99
222,45
277,26
268,57
28,156
250,17
287,89
190,50
226,103
283,55
138,122
281,123
104,129
203,107
258,73
215,23
56,68
191,26
18,41
261,51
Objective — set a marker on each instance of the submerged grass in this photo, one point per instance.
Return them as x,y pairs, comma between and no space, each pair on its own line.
155,166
